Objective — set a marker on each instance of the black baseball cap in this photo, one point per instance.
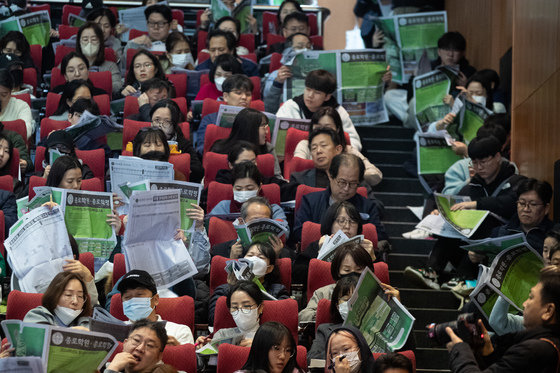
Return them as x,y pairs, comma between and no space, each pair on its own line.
9,60
137,279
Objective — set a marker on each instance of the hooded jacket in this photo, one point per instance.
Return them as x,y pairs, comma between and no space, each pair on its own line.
368,362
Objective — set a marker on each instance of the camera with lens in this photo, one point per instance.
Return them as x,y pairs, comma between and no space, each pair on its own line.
465,327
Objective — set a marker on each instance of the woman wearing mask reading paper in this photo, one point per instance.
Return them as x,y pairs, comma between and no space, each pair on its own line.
178,53
348,352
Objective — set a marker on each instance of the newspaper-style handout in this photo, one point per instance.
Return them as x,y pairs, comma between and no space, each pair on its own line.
153,219
302,64
61,350
385,323
34,26
495,245
23,364
429,91
103,322
280,132
227,113
37,247
242,10
190,195
435,155
133,18
259,230
243,270
512,274
328,249
472,117
91,127
465,222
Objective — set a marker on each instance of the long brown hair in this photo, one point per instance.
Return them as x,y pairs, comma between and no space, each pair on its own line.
56,288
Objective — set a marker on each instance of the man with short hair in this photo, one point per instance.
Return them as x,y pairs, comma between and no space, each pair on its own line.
158,19
345,173
393,362
153,91
237,91
142,350
294,23
320,86
140,299
533,350
223,42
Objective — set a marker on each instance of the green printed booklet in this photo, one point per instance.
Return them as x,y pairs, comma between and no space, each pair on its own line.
280,132
190,195
471,118
242,10
211,348
36,27
495,245
227,113
513,273
429,91
385,323
466,222
62,350
331,244
259,230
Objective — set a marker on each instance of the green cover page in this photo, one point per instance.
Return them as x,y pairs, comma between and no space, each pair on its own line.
36,27
429,91
472,118
190,194
303,64
435,156
465,222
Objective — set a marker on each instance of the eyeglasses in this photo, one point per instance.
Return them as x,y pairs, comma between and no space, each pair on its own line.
342,222
163,123
286,351
347,184
68,297
244,309
136,341
159,24
532,205
481,162
146,65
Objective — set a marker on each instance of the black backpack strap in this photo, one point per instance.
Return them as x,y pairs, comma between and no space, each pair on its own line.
557,353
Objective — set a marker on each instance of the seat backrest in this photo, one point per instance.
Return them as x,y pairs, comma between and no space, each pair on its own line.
14,164
181,357
256,94
251,57
213,134
134,33
104,103
38,8
56,75
220,231
265,164
24,97
2,234
275,63
272,39
203,56
36,51
209,105
179,16
181,163
231,358
247,41
179,82
130,106
408,353
212,163
66,32
110,54
218,192
269,23
119,267
317,41
102,80
30,77
179,310
19,303
95,159
186,128
293,137
87,260
35,181
201,39
319,275
48,125
131,127
302,190
93,185
257,105
69,9
323,315
182,103
310,232
7,183
297,164
59,53
18,126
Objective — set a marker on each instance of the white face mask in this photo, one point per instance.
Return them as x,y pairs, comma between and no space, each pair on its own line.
219,81
258,265
242,196
353,360
90,49
343,310
66,315
182,60
479,99
247,321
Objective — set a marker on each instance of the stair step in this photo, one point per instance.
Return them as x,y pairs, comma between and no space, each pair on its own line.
405,246
387,144
391,170
398,262
387,132
432,358
400,199
387,156
426,316
428,298
399,213
399,184
397,228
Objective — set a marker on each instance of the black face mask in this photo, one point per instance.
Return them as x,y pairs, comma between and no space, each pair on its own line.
17,75
155,155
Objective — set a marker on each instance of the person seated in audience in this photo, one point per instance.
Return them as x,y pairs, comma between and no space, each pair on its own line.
77,109
142,350
166,116
531,350
237,91
263,256
75,66
393,362
348,351
249,125
151,143
340,216
320,85
90,44
7,199
143,67
223,42
295,22
273,351
14,42
345,173
245,303
349,257
64,143
287,7
158,18
232,25
106,19
493,188
8,141
246,182
153,91
14,65
254,208
551,242
178,53
73,91
140,300
66,302
12,108
225,66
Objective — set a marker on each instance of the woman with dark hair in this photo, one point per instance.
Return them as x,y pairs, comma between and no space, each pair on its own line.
249,125
245,302
329,117
66,302
166,116
225,66
14,42
90,44
106,19
233,25
66,173
480,88
287,7
178,53
6,153
10,140
75,66
263,257
348,352
12,108
273,350
350,257
73,90
143,66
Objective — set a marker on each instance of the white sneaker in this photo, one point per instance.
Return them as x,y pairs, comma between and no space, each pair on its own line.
416,234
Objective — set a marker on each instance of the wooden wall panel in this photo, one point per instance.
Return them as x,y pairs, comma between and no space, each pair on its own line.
340,20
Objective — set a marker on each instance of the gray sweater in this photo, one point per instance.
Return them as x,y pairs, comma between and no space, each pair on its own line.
41,315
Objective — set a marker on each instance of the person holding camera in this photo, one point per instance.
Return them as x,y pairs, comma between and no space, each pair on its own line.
534,349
